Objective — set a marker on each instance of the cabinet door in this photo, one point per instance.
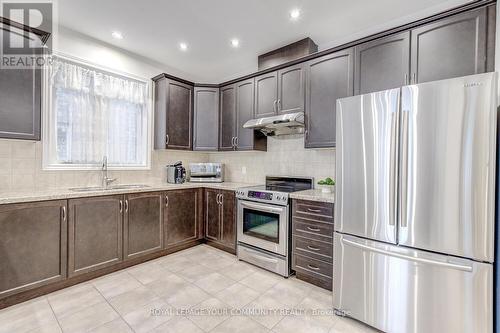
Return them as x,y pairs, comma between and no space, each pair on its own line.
33,244
266,94
452,47
212,215
160,121
245,112
227,126
182,216
206,119
291,89
328,78
228,219
179,116
143,224
382,64
94,233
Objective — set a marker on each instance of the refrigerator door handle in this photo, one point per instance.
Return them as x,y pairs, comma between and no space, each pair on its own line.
393,167
460,267
403,203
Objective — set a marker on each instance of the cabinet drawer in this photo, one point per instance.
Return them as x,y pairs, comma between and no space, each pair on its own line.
313,230
313,248
313,271
313,210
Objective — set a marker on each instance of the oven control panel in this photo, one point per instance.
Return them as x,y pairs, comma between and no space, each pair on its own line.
260,195
271,197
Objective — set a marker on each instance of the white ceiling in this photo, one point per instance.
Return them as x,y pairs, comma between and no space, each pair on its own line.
154,28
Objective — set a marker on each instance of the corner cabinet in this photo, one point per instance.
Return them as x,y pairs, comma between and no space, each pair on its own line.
183,214
327,78
173,103
33,245
206,119
220,218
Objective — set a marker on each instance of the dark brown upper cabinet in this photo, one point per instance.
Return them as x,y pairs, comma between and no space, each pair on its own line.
206,119
173,114
382,64
143,224
451,47
220,218
266,95
227,119
95,233
328,78
183,216
33,243
20,97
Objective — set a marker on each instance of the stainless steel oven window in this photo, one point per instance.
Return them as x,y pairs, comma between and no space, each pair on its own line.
263,225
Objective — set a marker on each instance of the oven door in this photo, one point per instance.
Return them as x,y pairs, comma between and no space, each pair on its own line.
263,226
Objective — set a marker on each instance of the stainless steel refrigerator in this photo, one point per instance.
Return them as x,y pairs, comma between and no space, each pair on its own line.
415,200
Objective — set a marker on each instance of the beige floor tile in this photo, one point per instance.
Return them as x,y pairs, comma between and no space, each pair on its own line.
88,318
178,325
237,295
238,271
187,297
148,272
174,263
217,262
195,272
261,281
240,324
318,309
26,317
48,328
211,313
214,282
116,326
347,325
74,299
132,300
167,285
266,311
288,292
112,285
143,320
295,324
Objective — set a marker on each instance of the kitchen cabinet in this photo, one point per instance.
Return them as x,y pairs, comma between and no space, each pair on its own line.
20,96
220,218
95,233
266,94
328,78
227,120
33,243
451,47
143,224
173,114
382,64
183,216
206,119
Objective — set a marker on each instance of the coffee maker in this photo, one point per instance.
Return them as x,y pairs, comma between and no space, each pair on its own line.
176,173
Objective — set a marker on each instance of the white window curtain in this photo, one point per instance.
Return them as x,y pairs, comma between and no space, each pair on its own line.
94,113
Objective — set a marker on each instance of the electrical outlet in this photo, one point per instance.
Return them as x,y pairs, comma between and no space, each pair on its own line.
244,170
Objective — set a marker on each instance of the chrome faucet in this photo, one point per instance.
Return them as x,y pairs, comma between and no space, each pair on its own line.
105,179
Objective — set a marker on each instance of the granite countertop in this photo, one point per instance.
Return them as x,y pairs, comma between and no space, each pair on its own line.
313,195
8,197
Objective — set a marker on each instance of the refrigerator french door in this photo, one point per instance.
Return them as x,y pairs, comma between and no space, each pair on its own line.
415,206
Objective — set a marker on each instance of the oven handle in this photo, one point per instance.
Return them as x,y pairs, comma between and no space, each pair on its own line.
262,207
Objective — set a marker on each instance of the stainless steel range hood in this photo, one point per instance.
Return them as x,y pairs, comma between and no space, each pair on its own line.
291,123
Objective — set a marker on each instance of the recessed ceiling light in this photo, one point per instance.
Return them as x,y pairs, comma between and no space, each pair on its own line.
295,14
235,42
183,46
117,35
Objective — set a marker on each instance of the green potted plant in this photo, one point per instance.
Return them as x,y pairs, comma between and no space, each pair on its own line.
326,185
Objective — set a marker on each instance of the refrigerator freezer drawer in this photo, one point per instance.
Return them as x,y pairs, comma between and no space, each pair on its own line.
398,289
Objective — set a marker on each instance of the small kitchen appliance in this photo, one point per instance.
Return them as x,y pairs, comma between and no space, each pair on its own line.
206,172
176,173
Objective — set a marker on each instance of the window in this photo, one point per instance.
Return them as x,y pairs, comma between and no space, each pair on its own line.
94,113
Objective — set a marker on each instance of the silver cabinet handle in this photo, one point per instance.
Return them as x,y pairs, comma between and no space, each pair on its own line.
414,78
312,248
217,198
279,104
221,199
406,79
167,139
313,210
313,229
166,200
236,142
314,268
121,206
63,213
274,106
126,206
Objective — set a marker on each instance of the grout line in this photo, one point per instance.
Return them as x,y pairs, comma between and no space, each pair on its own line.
54,313
111,305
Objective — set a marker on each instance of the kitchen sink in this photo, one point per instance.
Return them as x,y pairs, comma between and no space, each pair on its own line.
109,188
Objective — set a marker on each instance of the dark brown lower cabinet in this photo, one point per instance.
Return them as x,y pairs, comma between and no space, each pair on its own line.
183,216
220,218
143,224
32,245
94,233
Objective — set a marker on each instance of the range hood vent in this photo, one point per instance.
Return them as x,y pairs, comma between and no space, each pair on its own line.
291,123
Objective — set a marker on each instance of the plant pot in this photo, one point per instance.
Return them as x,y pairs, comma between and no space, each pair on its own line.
326,188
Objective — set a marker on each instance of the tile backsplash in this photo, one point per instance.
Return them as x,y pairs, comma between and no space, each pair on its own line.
21,165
